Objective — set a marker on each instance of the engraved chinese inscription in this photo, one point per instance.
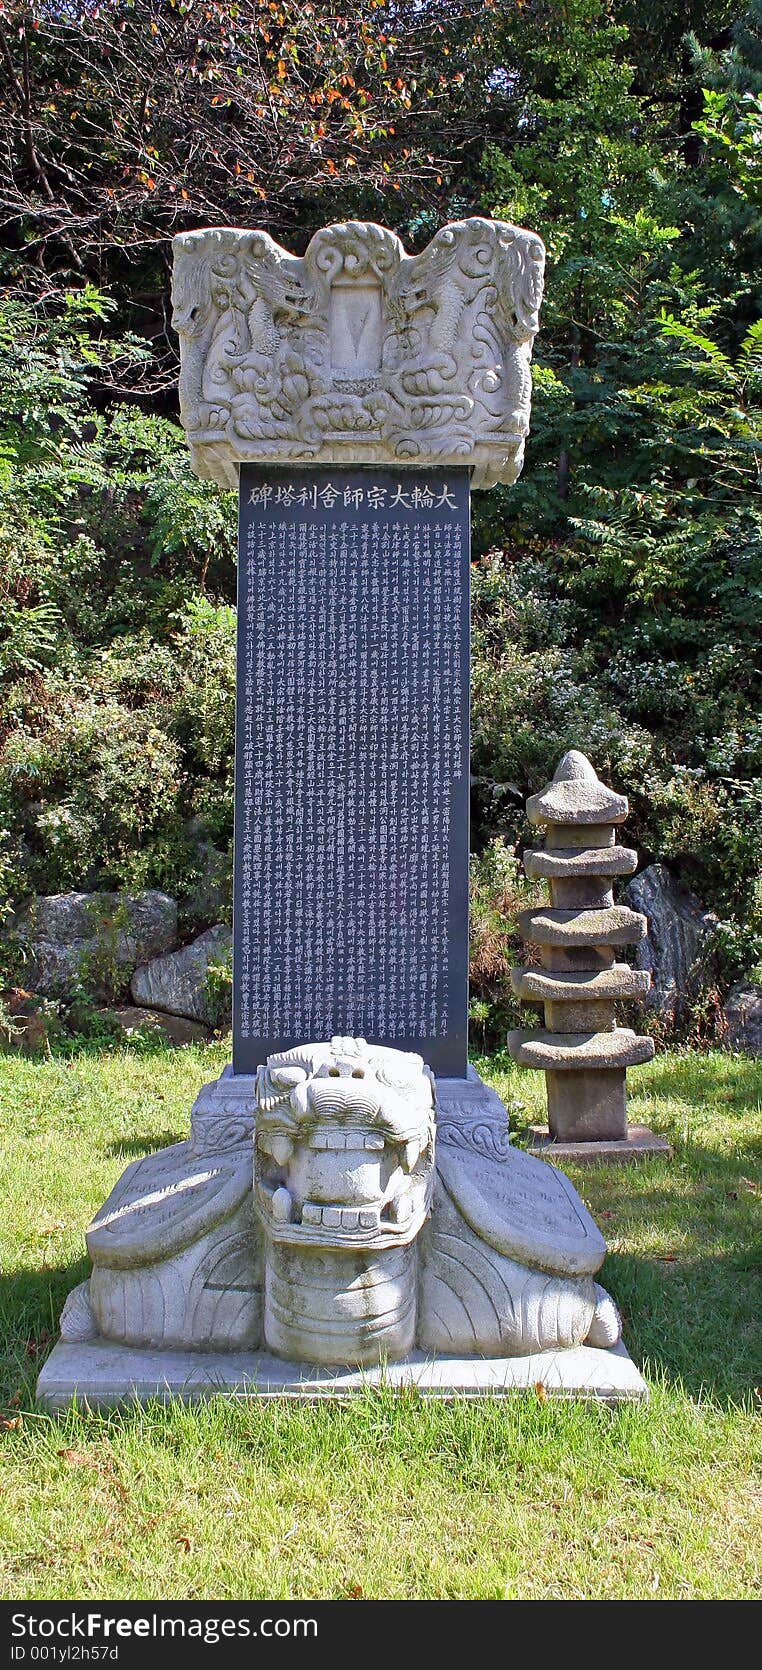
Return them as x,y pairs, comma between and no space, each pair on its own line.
352,761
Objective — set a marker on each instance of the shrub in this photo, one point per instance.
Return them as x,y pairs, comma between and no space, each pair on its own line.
498,890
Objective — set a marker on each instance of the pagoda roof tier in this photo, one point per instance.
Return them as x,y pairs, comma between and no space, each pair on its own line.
541,985
612,925
581,861
577,1051
576,795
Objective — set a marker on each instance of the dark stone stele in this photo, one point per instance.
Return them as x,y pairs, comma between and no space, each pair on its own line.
352,762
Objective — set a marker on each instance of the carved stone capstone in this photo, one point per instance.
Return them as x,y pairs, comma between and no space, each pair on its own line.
356,352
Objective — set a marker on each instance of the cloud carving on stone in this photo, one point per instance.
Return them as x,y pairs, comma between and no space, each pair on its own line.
356,352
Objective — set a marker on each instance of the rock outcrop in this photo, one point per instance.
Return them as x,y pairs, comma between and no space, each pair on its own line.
680,950
174,1029
178,983
71,941
743,1015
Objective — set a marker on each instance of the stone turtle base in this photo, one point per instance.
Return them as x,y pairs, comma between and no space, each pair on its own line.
640,1143
101,1376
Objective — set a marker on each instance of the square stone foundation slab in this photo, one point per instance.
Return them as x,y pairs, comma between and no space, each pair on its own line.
102,1376
639,1144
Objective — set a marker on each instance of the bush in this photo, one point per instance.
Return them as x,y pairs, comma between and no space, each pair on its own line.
117,664
672,732
498,890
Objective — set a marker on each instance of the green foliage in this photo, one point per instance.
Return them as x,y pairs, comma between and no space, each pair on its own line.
498,889
617,589
104,768
116,671
219,992
719,199
619,603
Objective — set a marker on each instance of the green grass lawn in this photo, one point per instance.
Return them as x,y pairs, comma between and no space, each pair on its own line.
390,1496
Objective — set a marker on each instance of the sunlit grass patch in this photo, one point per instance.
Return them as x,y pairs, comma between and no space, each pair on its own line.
389,1495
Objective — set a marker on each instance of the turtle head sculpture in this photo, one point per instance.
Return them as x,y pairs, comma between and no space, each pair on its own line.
344,1150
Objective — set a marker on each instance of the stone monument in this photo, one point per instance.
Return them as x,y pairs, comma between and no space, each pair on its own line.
348,1207
582,1051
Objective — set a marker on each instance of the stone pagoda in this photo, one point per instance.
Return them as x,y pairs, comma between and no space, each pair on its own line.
581,1049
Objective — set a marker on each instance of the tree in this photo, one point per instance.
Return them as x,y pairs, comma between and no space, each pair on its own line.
719,200
128,120
576,162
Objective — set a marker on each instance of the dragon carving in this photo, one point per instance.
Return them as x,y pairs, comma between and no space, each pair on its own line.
451,380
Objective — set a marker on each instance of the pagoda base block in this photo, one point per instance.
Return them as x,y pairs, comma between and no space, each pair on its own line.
587,1107
640,1143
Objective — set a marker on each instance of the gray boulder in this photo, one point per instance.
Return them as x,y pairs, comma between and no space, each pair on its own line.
743,1014
61,918
178,983
150,928
680,951
91,940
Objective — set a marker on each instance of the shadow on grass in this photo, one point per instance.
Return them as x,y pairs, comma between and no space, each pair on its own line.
690,1297
134,1148
31,1302
695,1320
76,1046
688,1282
